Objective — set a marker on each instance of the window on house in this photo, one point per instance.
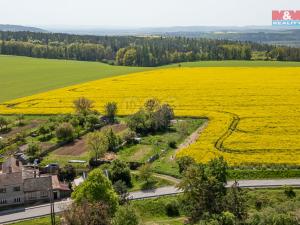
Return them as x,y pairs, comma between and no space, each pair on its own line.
2,190
32,195
3,201
17,188
44,194
16,200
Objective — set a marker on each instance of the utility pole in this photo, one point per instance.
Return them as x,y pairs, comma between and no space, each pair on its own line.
52,213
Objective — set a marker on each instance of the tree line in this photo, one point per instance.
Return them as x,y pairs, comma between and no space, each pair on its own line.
135,51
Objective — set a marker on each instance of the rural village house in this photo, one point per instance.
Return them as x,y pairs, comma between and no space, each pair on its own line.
22,185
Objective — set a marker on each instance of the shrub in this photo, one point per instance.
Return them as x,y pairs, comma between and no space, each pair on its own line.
129,136
75,122
111,109
126,215
184,162
2,144
172,144
33,150
258,204
65,132
113,140
120,171
145,172
21,138
44,130
121,189
270,216
67,173
289,192
92,120
21,118
4,124
183,128
227,218
46,137
172,208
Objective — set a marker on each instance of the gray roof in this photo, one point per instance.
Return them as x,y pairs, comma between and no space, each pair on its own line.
10,179
11,163
37,184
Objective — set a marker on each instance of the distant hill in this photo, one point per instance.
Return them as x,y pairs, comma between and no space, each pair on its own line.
8,27
278,37
289,36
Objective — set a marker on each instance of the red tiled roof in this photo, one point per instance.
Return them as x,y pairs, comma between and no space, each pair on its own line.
56,185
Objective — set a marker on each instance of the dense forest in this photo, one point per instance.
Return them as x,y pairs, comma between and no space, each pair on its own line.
259,35
135,51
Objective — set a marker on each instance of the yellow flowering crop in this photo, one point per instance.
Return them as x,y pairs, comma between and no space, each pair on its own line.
254,113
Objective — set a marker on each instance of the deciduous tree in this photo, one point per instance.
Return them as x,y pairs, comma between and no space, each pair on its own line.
87,213
111,109
65,132
97,188
119,170
97,144
83,105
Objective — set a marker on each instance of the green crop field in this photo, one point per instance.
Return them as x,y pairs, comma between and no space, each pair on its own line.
23,76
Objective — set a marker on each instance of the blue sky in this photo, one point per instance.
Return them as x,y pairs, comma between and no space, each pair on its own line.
141,13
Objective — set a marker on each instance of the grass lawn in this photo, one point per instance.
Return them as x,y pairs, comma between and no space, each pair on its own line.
23,76
258,173
154,144
154,182
38,221
152,210
166,221
162,221
63,160
159,143
136,153
167,164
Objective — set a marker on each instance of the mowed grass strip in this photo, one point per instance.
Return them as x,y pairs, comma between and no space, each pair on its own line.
23,76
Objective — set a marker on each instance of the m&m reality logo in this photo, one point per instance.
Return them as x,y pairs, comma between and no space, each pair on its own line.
286,17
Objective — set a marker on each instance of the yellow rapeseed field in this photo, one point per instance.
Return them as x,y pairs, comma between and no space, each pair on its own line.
254,113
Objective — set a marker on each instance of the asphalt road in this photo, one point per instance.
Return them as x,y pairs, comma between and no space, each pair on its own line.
23,213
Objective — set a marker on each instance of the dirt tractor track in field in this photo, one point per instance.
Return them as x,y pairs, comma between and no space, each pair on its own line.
232,127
